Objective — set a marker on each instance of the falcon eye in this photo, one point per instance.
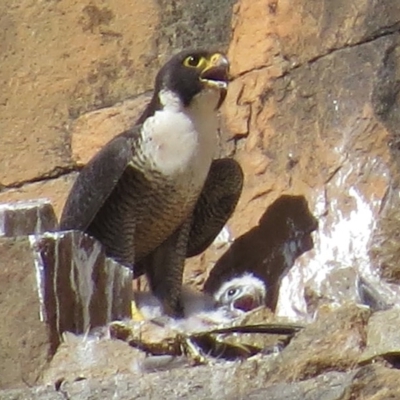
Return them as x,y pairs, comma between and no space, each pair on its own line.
193,61
231,292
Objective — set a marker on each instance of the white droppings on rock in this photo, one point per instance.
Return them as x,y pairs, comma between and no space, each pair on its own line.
39,267
2,223
343,238
110,287
83,262
223,238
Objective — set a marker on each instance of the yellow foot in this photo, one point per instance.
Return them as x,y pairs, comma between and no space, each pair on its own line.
191,350
136,313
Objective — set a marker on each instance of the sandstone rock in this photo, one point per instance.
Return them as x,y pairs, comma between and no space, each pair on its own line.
25,341
55,190
189,23
313,113
329,386
223,381
76,57
41,392
334,341
26,218
385,249
263,34
89,356
220,381
375,382
93,130
302,371
383,337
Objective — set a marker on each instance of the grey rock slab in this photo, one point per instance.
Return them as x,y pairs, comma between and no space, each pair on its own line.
82,289
27,217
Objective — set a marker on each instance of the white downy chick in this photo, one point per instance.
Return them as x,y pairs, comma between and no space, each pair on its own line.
202,311
242,293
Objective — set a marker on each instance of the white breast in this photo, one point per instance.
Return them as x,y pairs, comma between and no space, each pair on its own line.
181,142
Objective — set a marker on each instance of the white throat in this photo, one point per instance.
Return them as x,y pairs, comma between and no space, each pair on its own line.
181,141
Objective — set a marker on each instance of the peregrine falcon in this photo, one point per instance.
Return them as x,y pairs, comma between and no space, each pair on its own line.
155,194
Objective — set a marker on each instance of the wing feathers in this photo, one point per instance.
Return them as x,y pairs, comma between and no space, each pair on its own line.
96,181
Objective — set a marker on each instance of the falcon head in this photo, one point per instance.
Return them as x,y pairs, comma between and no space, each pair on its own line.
243,293
191,72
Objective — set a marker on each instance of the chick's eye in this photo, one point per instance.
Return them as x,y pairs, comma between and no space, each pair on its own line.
231,292
193,61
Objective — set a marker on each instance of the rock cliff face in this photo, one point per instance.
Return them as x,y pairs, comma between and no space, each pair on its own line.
313,110
312,115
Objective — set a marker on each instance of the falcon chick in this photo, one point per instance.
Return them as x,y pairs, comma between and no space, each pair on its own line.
201,311
241,293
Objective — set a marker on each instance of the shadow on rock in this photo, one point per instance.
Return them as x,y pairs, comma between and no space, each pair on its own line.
270,249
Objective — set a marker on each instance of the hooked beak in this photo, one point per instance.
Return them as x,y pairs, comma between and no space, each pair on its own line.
216,75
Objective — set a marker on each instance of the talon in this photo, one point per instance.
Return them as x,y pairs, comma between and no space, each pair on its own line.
191,351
